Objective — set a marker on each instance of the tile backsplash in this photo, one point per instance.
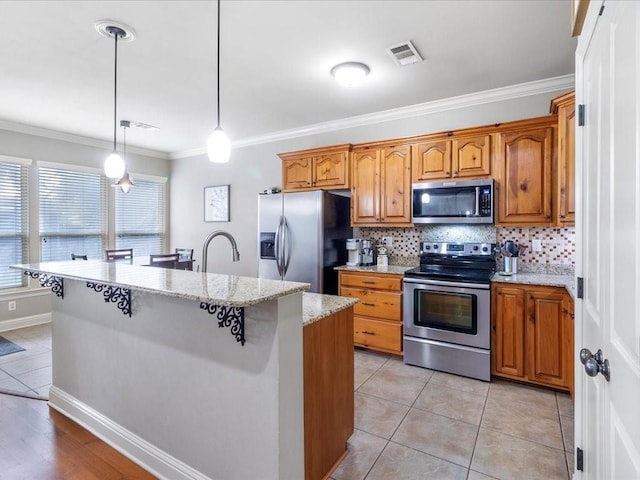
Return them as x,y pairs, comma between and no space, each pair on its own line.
557,254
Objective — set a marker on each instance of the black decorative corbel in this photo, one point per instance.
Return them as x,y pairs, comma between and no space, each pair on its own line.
120,296
50,281
228,317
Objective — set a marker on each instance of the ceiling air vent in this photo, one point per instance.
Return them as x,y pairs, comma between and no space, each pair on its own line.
144,126
404,53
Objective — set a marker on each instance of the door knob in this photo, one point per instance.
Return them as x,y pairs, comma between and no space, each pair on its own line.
595,363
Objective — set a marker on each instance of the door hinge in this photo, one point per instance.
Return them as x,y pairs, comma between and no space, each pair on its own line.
581,115
601,10
580,287
579,459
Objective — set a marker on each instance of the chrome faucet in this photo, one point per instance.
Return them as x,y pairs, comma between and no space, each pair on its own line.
205,247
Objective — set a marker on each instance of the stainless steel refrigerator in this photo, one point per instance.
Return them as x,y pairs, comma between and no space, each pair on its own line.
302,237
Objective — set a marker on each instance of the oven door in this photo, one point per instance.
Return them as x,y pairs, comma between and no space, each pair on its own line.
450,312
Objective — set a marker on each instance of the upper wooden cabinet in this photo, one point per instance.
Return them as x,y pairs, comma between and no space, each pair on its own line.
522,171
319,168
565,192
381,187
461,157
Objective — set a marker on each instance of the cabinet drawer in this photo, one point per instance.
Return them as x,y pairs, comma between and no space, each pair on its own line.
373,303
383,282
377,334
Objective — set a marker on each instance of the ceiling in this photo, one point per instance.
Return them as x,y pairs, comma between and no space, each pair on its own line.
57,71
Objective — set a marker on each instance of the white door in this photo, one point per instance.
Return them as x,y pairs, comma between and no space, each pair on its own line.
608,240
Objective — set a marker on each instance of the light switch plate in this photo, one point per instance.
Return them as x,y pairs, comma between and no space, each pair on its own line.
388,241
536,245
12,305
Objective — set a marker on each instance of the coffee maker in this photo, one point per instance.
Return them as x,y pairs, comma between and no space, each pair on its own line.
367,252
353,250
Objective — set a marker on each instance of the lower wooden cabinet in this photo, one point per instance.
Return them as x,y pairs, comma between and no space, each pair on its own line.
377,321
532,334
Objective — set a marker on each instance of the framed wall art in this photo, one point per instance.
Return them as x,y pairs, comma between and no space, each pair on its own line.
216,203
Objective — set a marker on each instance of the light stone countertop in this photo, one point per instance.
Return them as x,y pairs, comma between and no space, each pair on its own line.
317,306
395,269
567,281
223,290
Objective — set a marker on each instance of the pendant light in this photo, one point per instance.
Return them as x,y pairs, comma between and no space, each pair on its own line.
125,182
114,165
218,145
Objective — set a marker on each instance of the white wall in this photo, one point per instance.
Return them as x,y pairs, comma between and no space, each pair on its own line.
255,168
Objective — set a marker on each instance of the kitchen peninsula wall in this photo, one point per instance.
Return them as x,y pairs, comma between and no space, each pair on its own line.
556,257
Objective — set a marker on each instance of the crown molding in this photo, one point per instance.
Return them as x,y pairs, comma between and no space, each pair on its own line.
78,139
463,101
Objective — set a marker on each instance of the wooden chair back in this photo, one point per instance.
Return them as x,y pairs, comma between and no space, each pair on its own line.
119,254
78,257
185,253
164,260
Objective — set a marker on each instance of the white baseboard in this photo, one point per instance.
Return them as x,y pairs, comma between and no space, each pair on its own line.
141,452
23,322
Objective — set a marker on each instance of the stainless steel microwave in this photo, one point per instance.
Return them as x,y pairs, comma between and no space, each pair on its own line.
465,201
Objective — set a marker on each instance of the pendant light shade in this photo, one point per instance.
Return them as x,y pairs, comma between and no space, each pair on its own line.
218,145
114,164
125,182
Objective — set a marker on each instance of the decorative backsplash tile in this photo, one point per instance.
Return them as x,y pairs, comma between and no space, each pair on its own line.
557,255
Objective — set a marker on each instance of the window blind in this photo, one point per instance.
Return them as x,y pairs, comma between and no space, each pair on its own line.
14,222
72,214
140,217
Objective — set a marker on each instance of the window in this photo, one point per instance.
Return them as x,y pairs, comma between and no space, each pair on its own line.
72,213
14,216
140,217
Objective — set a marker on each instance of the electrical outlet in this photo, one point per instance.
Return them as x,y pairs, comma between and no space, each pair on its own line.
387,241
11,305
536,245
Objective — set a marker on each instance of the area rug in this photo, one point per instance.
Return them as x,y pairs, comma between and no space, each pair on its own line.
7,347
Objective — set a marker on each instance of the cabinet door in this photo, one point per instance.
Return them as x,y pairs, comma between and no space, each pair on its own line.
549,338
330,171
566,165
297,174
431,160
395,191
471,156
508,331
365,189
524,160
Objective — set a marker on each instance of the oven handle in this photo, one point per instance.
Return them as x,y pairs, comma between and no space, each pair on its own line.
420,281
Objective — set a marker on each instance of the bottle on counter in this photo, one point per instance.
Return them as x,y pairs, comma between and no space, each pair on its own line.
383,257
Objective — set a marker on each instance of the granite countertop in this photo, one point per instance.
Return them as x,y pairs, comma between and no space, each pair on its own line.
224,290
395,269
567,281
317,306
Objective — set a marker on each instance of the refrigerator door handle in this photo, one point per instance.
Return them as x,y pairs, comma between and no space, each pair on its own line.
278,247
286,246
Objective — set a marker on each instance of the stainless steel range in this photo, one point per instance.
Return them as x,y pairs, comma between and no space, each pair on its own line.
447,308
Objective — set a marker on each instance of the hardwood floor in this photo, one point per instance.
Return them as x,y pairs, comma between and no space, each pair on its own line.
39,443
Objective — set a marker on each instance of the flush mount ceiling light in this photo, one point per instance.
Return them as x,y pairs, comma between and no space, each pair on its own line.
350,74
114,165
218,145
125,183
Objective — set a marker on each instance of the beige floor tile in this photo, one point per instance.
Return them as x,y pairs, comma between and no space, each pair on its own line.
570,462
565,404
378,416
473,475
567,432
36,378
13,384
366,358
398,367
386,384
364,449
361,374
456,404
439,436
504,456
544,401
27,364
514,419
400,462
460,383
44,390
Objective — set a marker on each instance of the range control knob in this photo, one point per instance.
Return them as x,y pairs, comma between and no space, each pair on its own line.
475,247
485,249
435,246
427,247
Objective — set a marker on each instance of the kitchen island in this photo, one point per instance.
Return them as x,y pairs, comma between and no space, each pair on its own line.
191,375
